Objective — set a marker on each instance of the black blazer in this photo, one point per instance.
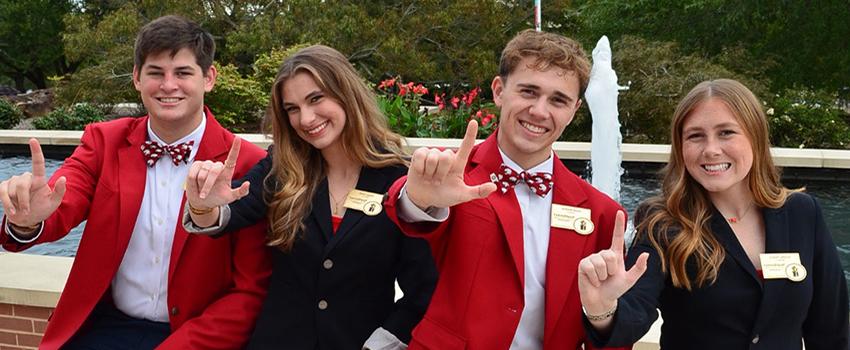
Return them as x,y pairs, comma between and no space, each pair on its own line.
740,311
333,290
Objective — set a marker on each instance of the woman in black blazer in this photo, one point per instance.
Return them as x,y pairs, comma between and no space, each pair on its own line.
733,259
321,186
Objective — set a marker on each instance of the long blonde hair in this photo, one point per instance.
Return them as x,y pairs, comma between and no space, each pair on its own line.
297,167
684,204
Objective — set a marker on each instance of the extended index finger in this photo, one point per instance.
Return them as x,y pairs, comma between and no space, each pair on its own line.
37,158
230,162
467,143
618,241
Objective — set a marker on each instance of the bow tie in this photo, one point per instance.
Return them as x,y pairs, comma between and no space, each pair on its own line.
539,183
153,151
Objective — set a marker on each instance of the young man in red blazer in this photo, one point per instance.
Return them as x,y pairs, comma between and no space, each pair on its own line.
139,280
508,246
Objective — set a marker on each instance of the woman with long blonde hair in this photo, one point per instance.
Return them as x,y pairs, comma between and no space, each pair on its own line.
336,254
731,257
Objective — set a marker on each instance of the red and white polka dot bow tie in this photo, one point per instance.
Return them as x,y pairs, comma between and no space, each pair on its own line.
539,183
153,151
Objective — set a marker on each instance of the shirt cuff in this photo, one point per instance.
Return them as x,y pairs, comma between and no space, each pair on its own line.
409,212
382,339
11,232
223,219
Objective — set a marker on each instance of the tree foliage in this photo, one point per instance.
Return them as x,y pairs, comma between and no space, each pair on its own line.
31,41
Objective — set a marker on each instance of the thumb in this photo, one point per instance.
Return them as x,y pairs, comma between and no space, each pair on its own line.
638,269
480,191
58,190
243,190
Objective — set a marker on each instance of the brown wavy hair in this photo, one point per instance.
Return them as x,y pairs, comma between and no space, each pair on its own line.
684,204
547,49
297,167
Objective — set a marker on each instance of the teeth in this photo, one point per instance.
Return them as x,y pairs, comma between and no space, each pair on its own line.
533,128
317,129
717,167
169,99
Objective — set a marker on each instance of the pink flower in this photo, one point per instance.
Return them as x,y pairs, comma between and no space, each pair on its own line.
420,90
455,101
440,101
386,84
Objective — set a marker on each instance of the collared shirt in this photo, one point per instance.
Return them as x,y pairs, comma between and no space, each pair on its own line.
140,287
535,241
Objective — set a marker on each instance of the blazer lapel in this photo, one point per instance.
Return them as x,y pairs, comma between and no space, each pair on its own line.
321,212
566,248
777,240
486,160
733,247
131,184
371,180
215,144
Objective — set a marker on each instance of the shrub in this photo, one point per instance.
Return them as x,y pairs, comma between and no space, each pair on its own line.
70,118
9,115
803,118
236,101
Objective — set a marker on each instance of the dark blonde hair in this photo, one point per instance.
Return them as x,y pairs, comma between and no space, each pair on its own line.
297,167
548,50
684,204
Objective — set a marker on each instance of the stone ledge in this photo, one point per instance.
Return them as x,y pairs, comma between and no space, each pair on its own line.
33,280
632,152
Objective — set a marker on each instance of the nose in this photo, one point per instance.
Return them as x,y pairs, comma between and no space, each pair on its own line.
712,147
306,115
539,109
168,83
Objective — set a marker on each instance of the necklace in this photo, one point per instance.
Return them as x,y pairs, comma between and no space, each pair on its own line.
336,208
735,220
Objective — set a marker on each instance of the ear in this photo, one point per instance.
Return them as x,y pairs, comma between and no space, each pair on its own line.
575,110
497,86
137,83
209,78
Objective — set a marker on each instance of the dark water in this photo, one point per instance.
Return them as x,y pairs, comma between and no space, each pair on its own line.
834,198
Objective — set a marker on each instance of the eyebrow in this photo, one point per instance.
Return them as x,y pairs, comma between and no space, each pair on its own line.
718,126
556,93
180,68
306,98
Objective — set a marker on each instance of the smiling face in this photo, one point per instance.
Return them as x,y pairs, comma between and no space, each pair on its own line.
716,150
315,116
536,106
172,90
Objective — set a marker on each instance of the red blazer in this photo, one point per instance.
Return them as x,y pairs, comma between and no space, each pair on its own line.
479,255
215,286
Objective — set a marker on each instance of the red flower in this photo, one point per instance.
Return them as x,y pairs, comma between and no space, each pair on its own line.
486,120
420,90
440,101
455,101
386,84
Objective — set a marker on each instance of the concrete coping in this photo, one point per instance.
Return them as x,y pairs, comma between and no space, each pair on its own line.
33,280
631,152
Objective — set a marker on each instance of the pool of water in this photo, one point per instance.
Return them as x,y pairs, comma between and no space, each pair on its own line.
834,198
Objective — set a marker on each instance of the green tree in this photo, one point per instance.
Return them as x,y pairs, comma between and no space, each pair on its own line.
31,41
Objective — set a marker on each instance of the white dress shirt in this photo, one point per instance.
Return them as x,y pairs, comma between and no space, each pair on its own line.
535,242
140,287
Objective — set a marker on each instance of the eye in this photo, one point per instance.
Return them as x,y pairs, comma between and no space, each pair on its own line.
290,109
527,92
727,132
559,102
316,98
694,136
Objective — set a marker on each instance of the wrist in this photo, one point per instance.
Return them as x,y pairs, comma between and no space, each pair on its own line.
594,314
199,211
23,229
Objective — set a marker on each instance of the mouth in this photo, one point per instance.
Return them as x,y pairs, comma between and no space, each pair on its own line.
716,168
169,99
317,129
534,129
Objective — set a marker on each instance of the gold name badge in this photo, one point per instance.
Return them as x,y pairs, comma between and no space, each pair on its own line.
367,202
572,218
782,266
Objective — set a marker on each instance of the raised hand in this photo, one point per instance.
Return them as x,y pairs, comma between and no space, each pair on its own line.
435,178
27,198
208,183
603,278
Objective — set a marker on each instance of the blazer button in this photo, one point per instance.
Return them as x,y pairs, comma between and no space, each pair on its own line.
174,311
328,264
756,339
323,304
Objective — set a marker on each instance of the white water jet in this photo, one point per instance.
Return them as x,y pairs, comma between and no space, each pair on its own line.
601,97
